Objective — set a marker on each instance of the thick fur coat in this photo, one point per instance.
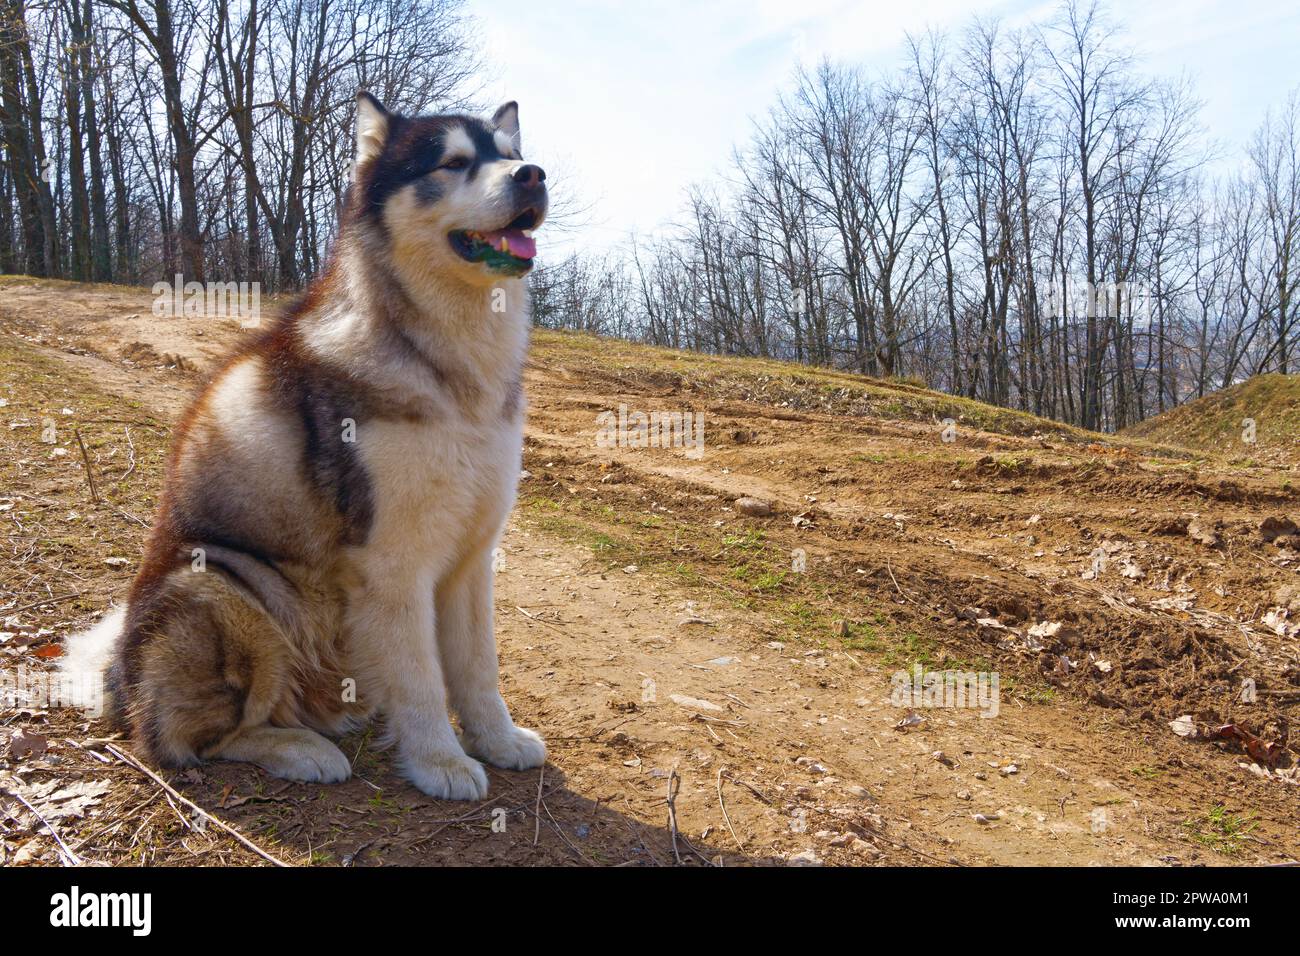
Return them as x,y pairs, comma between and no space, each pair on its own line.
322,552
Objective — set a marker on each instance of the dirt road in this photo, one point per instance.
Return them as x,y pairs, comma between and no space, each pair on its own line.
664,643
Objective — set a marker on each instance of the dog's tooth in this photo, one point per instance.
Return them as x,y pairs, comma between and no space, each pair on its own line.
528,233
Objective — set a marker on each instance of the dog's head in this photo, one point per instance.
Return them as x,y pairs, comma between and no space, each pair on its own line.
449,193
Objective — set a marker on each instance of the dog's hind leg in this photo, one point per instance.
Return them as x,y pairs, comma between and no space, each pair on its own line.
294,753
206,669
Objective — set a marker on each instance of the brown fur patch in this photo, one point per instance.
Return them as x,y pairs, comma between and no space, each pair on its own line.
206,662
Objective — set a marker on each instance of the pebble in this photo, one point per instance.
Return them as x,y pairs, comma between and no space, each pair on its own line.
865,848
753,507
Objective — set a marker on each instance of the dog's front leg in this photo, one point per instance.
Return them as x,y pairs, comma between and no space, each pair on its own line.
393,623
467,646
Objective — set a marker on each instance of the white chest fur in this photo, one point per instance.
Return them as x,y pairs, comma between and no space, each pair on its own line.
443,481
440,490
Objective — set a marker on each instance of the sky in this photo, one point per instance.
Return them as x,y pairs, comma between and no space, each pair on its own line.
627,104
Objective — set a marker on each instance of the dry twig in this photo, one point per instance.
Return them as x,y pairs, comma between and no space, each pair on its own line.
127,758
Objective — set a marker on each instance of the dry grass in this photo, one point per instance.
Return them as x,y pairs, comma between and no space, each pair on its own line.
802,388
1217,423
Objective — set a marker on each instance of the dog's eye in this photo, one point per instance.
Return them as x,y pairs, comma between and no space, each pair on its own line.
458,163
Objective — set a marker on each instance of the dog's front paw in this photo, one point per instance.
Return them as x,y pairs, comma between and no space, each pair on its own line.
515,748
448,777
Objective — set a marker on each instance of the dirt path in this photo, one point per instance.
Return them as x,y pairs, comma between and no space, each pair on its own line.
661,641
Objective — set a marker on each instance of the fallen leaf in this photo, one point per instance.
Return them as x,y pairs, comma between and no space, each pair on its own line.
1262,751
1276,620
1045,629
57,800
23,744
693,702
1184,726
911,720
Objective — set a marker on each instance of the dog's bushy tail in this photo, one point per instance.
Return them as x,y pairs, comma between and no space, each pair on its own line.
86,657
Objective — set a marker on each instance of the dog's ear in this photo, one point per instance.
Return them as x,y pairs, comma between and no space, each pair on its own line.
372,126
506,119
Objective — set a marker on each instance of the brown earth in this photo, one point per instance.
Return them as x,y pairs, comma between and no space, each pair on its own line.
660,639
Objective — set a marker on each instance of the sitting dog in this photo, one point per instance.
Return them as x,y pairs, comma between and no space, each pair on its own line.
323,547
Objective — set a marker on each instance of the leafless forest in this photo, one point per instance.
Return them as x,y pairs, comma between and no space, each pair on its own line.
204,137
1027,217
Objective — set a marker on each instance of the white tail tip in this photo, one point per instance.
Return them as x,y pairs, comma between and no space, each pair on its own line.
86,657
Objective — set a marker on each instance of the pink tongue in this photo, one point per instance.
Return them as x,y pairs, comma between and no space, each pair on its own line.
521,246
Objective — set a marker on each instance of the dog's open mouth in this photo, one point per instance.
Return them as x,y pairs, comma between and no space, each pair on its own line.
509,250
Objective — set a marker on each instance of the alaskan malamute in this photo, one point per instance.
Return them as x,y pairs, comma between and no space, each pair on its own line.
323,547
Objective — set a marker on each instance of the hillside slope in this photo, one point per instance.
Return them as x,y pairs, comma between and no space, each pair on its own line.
666,639
1219,423
804,388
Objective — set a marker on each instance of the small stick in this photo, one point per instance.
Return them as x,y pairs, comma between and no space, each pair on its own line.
124,514
717,720
560,831
723,803
179,816
86,750
130,450
465,818
635,830
53,600
90,474
131,761
750,788
540,620
537,814
672,812
900,590
72,857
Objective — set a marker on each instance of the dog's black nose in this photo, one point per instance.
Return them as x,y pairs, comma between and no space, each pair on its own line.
530,176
